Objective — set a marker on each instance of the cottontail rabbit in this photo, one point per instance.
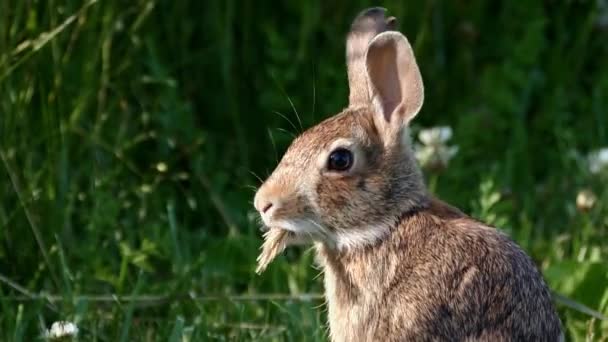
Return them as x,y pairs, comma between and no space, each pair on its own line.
399,265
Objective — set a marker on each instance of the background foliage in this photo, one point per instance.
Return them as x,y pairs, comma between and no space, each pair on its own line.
131,131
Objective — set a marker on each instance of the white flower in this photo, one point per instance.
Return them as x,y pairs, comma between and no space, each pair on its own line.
435,154
435,135
585,200
598,160
145,188
161,167
62,329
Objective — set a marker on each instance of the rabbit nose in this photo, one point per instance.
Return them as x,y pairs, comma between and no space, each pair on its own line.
266,207
262,203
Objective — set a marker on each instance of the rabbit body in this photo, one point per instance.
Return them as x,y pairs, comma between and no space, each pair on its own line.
438,276
398,264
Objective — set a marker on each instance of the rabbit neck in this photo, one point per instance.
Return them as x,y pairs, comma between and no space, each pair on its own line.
357,280
367,235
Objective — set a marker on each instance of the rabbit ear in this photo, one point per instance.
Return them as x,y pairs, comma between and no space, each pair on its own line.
395,82
365,27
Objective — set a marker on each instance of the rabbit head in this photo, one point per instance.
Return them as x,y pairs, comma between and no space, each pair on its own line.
346,181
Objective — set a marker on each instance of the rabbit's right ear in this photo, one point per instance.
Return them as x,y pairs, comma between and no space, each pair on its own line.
368,24
395,83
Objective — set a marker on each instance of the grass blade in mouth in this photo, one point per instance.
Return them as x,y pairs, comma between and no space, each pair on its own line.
275,241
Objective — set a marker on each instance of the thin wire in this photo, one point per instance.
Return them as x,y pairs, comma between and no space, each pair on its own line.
150,298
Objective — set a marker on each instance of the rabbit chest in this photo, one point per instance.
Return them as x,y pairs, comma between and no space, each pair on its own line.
438,276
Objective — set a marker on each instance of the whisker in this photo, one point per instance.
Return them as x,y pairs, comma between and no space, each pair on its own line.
310,236
314,91
322,231
256,176
286,118
251,187
274,147
293,107
317,276
295,111
288,132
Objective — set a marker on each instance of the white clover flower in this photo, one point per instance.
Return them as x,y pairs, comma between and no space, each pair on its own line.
435,135
598,160
161,167
434,153
585,200
145,188
62,329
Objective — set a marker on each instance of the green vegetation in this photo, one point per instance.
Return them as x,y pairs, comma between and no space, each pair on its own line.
131,133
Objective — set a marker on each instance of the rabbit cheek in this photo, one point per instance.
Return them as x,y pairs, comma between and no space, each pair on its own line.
332,195
341,203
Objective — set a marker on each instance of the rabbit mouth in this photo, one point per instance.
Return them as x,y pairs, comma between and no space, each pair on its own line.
301,229
284,233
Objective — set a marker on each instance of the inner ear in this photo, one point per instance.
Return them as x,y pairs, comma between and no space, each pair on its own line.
395,80
386,88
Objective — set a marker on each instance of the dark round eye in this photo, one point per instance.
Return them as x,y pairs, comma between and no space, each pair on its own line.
340,160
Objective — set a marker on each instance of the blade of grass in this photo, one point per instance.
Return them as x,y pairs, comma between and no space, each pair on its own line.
124,335
174,235
65,271
576,306
42,40
178,330
33,226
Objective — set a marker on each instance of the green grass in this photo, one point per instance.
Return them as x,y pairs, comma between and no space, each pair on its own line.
131,134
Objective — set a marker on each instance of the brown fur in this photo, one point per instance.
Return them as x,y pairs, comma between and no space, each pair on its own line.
364,28
399,265
440,276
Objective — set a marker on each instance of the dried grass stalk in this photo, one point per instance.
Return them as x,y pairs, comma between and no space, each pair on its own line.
275,241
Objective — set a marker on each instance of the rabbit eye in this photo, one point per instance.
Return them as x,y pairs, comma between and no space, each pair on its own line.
340,160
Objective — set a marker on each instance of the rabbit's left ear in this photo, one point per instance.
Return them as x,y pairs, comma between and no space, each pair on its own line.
395,82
